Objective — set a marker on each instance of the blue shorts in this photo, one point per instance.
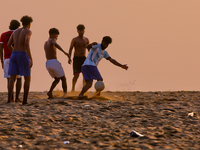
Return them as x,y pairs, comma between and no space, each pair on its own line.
19,64
91,73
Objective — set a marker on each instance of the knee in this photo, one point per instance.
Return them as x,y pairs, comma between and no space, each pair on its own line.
27,78
12,78
76,76
89,84
56,80
19,79
63,79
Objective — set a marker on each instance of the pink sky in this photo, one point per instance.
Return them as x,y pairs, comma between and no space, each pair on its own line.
159,40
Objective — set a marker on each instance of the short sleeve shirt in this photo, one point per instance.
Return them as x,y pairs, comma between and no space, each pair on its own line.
95,55
4,40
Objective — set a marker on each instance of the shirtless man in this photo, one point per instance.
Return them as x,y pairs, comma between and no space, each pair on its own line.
4,51
21,59
52,64
79,44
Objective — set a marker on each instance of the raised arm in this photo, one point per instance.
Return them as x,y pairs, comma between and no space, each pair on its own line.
113,61
1,54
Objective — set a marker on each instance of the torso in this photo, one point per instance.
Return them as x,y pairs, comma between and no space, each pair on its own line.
95,55
19,39
80,46
50,50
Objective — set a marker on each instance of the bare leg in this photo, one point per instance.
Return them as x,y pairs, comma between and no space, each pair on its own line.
98,93
26,88
53,85
74,80
64,85
8,80
18,89
84,82
86,87
10,87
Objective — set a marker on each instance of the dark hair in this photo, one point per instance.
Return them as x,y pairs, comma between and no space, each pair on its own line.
80,27
107,39
14,24
26,20
53,31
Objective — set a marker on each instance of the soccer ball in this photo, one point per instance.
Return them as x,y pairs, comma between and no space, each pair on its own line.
99,86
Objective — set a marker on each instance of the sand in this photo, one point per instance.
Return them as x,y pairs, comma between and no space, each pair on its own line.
102,123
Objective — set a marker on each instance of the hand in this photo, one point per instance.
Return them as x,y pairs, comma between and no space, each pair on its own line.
31,64
124,66
69,61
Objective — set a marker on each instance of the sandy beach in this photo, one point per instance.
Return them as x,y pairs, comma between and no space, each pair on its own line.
102,122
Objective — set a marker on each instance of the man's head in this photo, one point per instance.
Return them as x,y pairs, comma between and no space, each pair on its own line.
14,24
26,21
105,42
53,33
80,29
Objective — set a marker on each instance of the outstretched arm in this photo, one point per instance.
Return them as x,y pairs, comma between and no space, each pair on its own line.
60,48
1,54
113,61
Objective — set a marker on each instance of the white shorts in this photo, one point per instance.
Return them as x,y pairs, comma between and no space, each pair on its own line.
5,68
54,68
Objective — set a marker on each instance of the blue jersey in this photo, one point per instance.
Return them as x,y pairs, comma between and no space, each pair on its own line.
95,55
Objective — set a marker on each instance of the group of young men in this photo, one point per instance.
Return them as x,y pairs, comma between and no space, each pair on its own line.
18,61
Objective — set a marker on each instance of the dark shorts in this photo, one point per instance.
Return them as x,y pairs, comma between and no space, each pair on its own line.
19,64
91,73
77,64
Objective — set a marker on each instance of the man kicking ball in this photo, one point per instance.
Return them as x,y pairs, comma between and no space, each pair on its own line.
89,68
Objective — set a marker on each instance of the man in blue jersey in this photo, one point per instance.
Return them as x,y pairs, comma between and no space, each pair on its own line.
89,68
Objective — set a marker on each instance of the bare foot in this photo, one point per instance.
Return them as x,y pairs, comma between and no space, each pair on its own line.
12,100
64,95
18,100
24,103
50,95
81,96
98,93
